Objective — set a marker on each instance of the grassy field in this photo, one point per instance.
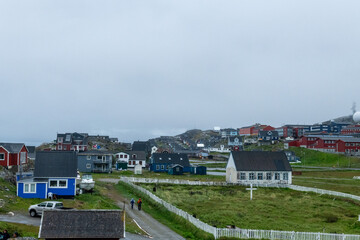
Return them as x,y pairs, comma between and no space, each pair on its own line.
148,174
271,208
341,181
167,218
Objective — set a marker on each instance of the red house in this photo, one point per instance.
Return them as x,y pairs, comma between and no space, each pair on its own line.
13,154
254,129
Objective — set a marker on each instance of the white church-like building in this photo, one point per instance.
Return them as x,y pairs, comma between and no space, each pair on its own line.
259,168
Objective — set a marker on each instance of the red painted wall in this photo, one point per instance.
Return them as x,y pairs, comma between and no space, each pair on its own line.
4,162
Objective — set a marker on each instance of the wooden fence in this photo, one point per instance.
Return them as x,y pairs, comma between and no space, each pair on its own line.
242,233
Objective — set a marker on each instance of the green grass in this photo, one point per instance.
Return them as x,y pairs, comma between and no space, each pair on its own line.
340,181
310,157
271,208
214,165
148,174
174,222
22,229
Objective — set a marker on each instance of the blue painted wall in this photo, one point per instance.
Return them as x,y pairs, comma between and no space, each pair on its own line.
40,191
69,191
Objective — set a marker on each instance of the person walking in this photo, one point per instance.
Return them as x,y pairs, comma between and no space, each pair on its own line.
139,202
132,201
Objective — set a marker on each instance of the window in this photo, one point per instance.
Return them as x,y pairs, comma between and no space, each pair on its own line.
277,176
121,156
140,162
49,205
242,176
29,188
88,157
177,169
134,156
60,147
285,176
157,167
251,176
260,176
268,176
162,167
61,183
99,157
88,165
43,204
23,157
2,156
125,156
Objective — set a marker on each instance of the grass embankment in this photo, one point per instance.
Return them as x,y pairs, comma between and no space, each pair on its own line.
340,181
310,157
174,222
148,174
22,229
271,208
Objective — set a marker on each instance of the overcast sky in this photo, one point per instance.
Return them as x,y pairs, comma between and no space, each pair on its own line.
140,69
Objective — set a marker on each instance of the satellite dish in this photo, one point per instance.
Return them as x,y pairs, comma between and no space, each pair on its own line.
356,117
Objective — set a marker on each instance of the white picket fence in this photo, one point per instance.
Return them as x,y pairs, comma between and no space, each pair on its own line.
242,233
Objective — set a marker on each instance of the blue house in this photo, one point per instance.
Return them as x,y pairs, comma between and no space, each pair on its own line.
94,161
160,162
176,169
55,172
198,170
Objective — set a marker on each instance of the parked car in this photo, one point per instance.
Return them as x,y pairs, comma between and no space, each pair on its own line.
38,209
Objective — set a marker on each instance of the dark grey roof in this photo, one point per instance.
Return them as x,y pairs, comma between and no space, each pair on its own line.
12,147
84,224
139,146
31,151
55,164
171,158
140,155
261,161
268,133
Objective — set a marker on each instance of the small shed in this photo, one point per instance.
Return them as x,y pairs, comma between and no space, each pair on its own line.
176,169
121,165
198,170
138,169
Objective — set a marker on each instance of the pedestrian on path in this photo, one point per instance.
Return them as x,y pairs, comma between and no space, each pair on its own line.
139,202
132,201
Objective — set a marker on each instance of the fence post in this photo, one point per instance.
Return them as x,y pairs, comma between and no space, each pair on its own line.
318,236
215,233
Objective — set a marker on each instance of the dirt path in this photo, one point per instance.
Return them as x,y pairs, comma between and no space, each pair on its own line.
155,229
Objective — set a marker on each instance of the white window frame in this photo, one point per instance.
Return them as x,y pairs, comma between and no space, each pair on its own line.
157,167
2,159
162,167
22,157
277,176
29,188
252,176
242,176
88,165
88,157
58,183
285,176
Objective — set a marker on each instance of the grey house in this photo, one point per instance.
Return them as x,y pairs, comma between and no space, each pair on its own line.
94,161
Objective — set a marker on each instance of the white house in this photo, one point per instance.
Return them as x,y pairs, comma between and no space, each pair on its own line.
137,157
247,167
122,157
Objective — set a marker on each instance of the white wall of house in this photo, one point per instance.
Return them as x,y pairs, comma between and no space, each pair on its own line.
231,170
260,177
133,163
122,157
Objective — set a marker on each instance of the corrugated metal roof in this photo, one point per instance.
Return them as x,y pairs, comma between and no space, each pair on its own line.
261,161
55,164
101,224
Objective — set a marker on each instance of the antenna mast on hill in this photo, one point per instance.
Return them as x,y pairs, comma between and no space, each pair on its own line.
353,108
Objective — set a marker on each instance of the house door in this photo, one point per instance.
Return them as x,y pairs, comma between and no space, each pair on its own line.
103,167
